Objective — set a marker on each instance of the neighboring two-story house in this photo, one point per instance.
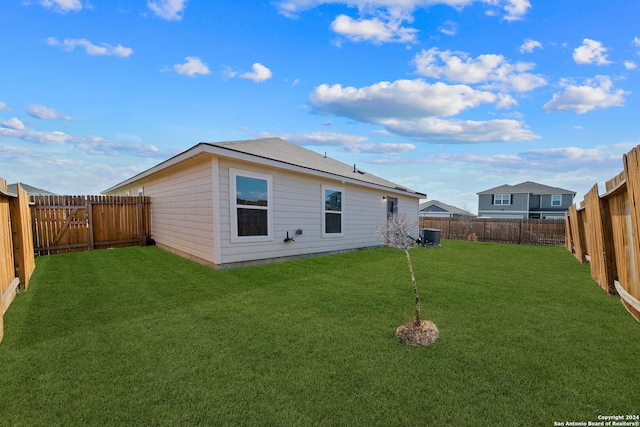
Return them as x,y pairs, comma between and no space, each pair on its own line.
528,200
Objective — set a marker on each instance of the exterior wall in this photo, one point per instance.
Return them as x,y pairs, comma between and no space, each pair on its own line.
517,209
298,205
182,208
191,212
524,206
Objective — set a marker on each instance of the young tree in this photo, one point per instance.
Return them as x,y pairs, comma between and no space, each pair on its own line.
395,233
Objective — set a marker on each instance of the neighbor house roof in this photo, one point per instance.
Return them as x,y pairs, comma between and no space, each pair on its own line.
279,153
451,209
527,187
31,190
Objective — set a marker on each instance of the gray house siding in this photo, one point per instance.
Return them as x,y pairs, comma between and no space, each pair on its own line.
528,200
518,203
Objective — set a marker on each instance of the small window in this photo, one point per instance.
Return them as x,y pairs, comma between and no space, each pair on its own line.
332,211
556,200
502,199
251,206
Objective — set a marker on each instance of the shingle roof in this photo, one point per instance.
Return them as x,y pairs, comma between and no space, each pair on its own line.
31,190
527,187
446,207
282,152
287,152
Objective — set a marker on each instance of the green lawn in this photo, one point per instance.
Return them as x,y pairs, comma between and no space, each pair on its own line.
139,336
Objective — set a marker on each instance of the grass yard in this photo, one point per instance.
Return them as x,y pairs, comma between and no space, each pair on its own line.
139,336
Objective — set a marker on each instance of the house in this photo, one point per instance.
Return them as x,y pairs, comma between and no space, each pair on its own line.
31,190
237,203
525,200
437,209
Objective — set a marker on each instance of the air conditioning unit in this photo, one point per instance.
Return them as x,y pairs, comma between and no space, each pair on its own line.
430,237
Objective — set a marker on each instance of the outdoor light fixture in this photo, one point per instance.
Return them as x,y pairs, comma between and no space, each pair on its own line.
384,197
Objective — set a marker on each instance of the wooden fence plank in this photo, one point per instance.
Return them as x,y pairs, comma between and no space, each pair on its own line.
526,231
612,230
22,236
599,247
75,223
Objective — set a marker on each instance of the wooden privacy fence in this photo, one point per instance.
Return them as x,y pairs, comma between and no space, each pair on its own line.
525,231
80,223
16,246
605,231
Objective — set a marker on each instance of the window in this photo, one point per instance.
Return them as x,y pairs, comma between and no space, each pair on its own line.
502,199
332,207
556,200
251,205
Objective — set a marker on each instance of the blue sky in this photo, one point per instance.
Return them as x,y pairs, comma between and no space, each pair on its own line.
447,97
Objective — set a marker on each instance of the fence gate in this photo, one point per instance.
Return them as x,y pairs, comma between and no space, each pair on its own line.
80,223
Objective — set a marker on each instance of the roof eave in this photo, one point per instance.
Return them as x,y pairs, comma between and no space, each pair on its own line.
214,149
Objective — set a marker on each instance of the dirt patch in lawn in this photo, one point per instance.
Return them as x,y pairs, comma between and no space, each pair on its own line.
412,333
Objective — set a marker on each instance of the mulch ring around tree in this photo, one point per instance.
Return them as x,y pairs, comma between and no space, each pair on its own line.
412,333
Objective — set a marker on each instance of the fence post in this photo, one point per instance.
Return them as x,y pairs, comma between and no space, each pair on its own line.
89,207
22,236
600,250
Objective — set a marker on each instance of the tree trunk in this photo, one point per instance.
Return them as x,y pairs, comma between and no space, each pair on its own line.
415,286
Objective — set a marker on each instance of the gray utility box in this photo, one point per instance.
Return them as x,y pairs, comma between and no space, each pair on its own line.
430,237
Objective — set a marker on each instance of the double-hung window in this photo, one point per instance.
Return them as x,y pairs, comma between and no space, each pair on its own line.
556,200
332,218
502,199
251,204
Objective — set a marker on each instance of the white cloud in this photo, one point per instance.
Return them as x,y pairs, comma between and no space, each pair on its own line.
516,9
18,130
46,113
529,45
402,98
191,67
62,6
383,20
492,69
378,29
3,107
414,109
347,142
90,48
461,131
12,123
259,74
635,42
630,65
591,52
594,93
171,10
93,145
449,28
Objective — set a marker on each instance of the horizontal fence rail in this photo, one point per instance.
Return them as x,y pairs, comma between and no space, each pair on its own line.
605,231
80,223
521,231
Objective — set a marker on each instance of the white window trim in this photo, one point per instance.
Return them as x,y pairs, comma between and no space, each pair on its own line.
324,233
559,201
495,199
233,173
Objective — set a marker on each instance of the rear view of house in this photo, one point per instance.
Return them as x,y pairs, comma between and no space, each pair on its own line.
243,202
528,200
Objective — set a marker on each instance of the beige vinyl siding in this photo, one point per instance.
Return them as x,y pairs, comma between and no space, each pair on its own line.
182,215
298,204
